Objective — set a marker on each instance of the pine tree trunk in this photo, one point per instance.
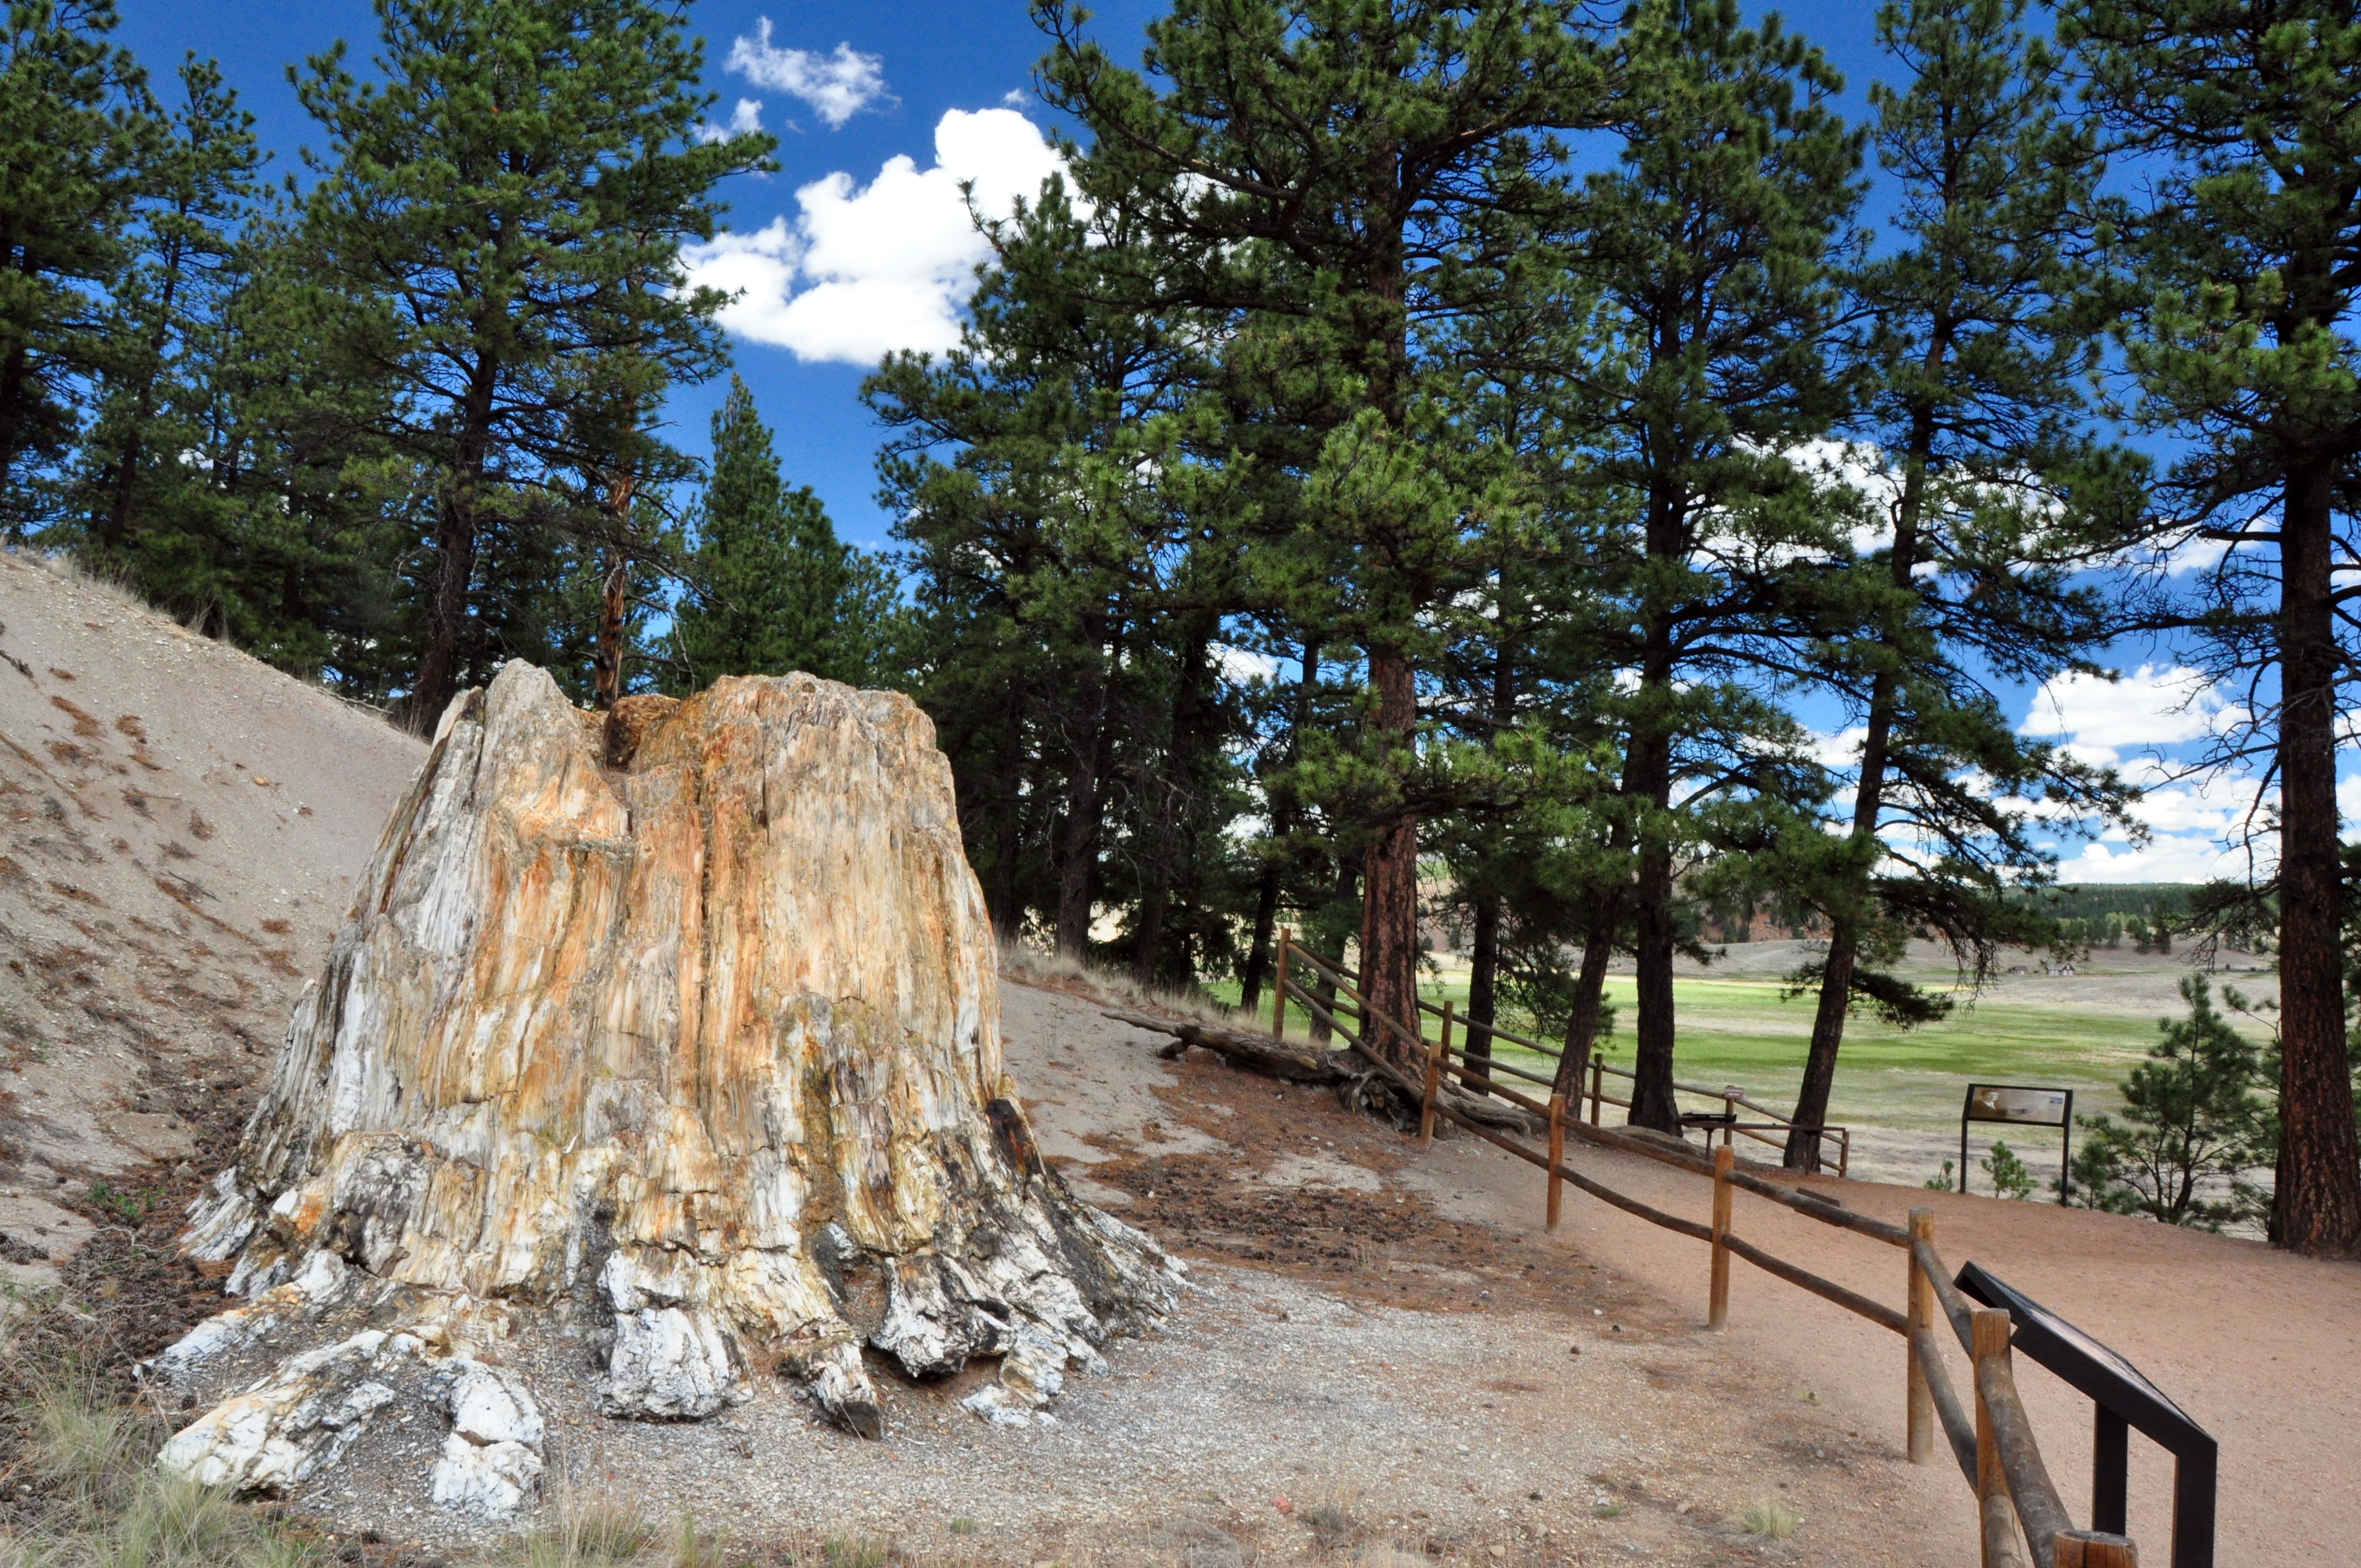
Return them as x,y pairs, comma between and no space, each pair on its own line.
1348,885
453,581
675,1037
1282,824
1259,943
1652,1104
2318,1205
1078,851
1390,880
1802,1151
1590,987
1008,838
1483,974
1173,813
614,593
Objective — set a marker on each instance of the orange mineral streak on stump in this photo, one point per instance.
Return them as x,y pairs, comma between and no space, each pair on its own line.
684,1025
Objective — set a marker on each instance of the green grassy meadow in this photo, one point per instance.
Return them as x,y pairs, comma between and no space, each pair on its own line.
1744,1031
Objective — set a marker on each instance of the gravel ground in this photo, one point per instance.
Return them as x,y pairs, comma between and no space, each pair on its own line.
1356,1371
1553,1438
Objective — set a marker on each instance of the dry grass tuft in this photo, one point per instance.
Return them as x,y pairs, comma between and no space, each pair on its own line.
107,585
83,1455
583,1531
1022,962
1384,1556
1330,1517
853,1551
1770,1518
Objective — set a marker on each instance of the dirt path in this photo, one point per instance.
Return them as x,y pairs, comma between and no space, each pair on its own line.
2258,1346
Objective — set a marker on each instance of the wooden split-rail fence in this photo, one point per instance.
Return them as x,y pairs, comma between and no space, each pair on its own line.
2023,1523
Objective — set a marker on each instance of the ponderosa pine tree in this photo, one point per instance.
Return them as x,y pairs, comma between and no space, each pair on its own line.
771,587
505,206
144,510
1977,366
1519,685
76,128
1714,245
1318,162
1036,473
2245,354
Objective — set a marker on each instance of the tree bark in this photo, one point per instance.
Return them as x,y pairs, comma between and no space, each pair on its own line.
1174,814
1484,959
1258,945
1078,851
2317,1207
614,585
686,1054
1590,987
1348,884
1652,1104
1483,978
1389,878
117,527
453,584
1648,780
1008,838
1282,824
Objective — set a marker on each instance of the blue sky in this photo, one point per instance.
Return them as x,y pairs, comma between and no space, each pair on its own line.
860,243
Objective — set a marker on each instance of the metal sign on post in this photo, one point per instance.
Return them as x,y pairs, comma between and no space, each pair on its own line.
2025,1107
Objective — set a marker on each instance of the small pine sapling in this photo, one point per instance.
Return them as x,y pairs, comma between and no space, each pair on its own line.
2191,1127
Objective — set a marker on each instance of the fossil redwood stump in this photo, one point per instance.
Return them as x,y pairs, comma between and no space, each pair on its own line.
680,1031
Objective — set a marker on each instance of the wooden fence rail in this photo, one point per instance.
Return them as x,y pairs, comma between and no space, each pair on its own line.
1346,982
2020,1516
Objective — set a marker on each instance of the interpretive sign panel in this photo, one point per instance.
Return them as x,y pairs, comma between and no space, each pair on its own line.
2008,1102
2024,1106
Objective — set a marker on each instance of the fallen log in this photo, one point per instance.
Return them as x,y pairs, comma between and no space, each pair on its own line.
1255,1052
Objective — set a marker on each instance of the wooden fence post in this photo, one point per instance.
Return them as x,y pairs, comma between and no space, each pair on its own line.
1989,1337
1279,996
1598,1083
1920,1403
1433,1083
2092,1548
1716,1311
1557,1156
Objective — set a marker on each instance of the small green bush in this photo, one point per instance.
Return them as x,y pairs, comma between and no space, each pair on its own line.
2010,1179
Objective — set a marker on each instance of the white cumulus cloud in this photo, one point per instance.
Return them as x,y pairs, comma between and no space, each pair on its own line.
2099,719
2176,857
838,86
745,120
863,270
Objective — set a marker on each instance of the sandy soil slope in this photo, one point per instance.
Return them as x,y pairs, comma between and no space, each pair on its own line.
180,826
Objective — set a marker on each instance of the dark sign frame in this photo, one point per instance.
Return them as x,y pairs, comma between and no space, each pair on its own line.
2120,1397
2066,1122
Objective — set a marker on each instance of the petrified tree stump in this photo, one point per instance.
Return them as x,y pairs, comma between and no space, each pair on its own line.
680,1029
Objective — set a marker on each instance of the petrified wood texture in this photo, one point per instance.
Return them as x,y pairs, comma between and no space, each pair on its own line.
700,1051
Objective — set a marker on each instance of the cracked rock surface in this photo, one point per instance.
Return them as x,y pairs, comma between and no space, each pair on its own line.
676,1032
